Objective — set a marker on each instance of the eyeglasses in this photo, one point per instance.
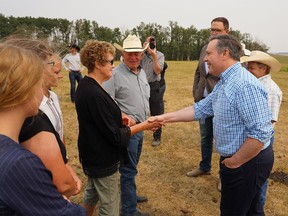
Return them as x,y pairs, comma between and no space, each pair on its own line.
52,63
110,61
216,30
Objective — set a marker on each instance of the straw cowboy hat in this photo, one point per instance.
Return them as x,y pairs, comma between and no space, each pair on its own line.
264,58
246,51
131,44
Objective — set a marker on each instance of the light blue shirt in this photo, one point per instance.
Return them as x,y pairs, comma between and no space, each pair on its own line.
131,92
240,108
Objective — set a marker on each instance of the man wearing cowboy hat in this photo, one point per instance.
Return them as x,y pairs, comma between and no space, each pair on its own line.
74,68
130,89
260,64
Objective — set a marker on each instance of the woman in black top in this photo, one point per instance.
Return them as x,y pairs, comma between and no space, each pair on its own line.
103,130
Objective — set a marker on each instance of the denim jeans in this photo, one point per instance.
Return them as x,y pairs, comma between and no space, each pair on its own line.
73,76
206,136
128,174
264,188
154,103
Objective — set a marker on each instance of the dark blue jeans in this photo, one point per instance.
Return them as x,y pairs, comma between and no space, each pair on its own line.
264,188
154,103
206,136
128,174
73,76
240,193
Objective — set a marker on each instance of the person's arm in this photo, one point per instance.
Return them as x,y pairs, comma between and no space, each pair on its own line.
28,189
248,150
45,146
64,60
184,115
76,179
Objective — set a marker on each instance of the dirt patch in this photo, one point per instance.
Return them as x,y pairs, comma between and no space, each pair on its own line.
279,176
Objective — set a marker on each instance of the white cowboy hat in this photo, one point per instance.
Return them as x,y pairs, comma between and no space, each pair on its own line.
246,51
131,44
264,58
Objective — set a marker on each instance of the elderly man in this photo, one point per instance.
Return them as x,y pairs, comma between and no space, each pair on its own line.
130,89
242,131
260,64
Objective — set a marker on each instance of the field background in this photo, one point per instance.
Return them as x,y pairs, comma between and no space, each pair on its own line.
162,170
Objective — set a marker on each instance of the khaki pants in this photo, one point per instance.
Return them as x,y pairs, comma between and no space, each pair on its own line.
106,191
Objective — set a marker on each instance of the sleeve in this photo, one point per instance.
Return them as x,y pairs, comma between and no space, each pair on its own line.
101,111
252,105
36,124
29,190
64,60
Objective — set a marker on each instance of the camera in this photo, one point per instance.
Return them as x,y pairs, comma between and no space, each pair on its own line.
152,43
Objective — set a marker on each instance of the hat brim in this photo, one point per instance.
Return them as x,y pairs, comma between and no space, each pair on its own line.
120,48
274,65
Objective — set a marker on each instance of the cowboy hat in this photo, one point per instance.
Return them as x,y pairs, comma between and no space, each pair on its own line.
246,51
131,44
264,58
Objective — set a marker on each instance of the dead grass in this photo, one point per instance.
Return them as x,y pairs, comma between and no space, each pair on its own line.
162,170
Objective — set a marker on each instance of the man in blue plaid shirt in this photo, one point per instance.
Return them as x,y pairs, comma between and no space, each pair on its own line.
242,127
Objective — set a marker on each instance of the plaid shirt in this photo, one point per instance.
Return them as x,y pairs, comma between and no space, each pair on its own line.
240,108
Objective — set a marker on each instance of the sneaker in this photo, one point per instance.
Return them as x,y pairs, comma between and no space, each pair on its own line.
141,199
156,142
197,172
219,186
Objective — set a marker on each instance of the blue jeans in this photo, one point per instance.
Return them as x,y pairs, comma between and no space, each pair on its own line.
73,76
206,135
128,174
263,189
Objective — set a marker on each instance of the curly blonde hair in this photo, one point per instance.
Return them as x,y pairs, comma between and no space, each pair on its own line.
20,70
93,51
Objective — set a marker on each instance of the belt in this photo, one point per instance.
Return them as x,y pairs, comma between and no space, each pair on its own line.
75,71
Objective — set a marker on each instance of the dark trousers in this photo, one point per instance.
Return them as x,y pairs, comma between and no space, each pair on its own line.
240,193
154,103
206,135
73,77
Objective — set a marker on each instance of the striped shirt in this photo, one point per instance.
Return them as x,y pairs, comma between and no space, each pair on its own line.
274,95
26,186
240,108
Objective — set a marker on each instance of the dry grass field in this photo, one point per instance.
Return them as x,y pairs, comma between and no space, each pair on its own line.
162,170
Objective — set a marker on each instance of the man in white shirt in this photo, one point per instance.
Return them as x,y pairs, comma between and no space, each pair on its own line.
74,68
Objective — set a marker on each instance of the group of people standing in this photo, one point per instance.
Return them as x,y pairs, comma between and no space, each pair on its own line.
114,106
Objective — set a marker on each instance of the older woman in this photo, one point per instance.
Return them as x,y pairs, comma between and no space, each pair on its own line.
43,134
103,137
26,186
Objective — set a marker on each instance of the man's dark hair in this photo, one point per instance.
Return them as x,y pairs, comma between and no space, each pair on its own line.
230,43
223,20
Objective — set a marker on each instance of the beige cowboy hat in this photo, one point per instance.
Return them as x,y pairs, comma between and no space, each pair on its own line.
264,58
246,51
131,44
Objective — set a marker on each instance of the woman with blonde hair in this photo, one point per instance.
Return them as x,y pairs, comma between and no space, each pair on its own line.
43,134
26,186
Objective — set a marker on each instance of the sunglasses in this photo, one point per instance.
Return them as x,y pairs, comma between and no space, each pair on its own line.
110,61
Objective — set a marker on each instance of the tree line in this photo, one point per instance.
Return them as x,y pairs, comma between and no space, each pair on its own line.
176,42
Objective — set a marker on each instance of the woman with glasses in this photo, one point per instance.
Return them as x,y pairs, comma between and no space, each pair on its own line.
103,130
26,186
43,134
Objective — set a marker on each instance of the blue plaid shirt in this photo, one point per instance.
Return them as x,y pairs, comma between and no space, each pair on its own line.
240,108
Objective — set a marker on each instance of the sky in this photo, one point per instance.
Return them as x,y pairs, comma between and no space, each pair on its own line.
265,20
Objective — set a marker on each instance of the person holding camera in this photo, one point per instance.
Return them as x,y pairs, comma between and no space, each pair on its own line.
152,63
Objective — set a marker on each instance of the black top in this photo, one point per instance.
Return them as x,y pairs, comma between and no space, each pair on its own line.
36,124
102,140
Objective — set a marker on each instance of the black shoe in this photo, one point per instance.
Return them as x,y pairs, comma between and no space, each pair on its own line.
141,199
138,213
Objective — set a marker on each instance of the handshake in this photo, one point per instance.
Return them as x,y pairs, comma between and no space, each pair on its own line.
154,122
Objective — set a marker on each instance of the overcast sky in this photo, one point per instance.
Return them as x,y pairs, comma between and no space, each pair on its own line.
265,20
